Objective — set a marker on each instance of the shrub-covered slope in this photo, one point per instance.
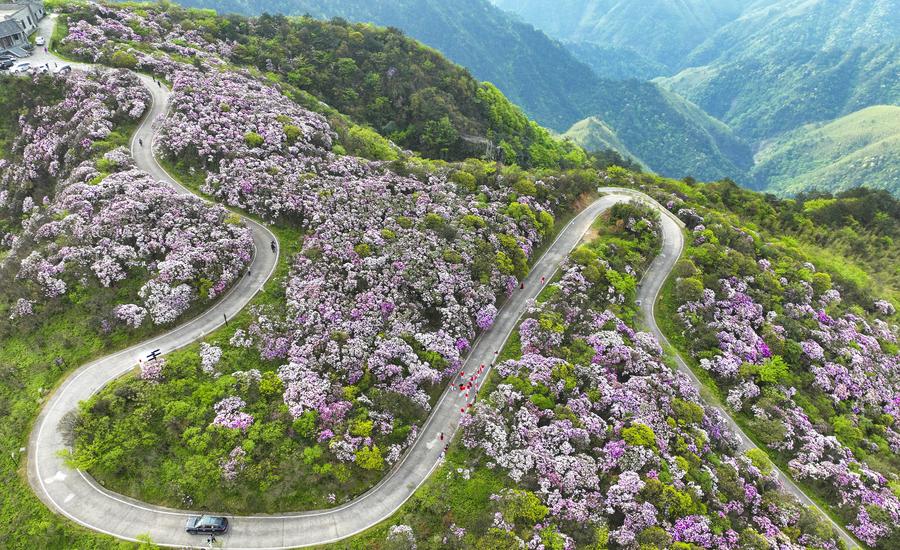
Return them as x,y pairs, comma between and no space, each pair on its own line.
538,74
861,149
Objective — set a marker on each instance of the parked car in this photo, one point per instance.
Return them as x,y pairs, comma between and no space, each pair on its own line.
5,64
199,525
21,68
40,41
65,69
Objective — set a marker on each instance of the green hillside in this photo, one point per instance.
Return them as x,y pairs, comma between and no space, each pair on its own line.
663,129
763,95
616,63
861,149
538,74
594,135
382,79
770,27
532,70
662,31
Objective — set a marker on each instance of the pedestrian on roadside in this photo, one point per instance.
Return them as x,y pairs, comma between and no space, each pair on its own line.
140,142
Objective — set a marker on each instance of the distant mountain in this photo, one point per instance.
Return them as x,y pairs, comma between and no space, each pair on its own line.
616,63
766,68
761,97
662,128
690,33
594,135
861,149
544,78
770,27
661,31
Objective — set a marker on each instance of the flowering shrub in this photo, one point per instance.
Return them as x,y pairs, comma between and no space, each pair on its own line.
90,228
816,378
606,436
234,465
403,536
209,357
229,415
151,370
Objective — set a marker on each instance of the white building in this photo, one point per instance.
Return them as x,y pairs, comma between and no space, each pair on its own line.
26,13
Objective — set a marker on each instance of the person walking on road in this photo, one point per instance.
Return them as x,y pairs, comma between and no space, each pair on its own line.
140,142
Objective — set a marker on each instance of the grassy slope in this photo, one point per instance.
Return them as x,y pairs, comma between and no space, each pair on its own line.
762,95
595,135
862,148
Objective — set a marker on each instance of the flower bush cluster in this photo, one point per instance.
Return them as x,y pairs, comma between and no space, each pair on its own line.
129,223
102,222
152,370
56,137
397,273
122,37
609,443
229,414
816,376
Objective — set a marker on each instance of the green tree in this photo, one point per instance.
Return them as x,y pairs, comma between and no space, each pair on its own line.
760,459
639,435
123,60
253,140
439,136
774,370
369,458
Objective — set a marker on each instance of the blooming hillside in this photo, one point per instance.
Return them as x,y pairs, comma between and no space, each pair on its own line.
397,273
812,372
377,76
91,223
584,438
388,272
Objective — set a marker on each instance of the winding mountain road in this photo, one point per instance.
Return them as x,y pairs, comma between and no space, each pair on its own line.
75,495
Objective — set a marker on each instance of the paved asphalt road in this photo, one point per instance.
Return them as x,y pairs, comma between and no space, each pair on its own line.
77,496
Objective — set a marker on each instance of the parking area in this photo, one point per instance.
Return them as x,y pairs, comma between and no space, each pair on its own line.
33,58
